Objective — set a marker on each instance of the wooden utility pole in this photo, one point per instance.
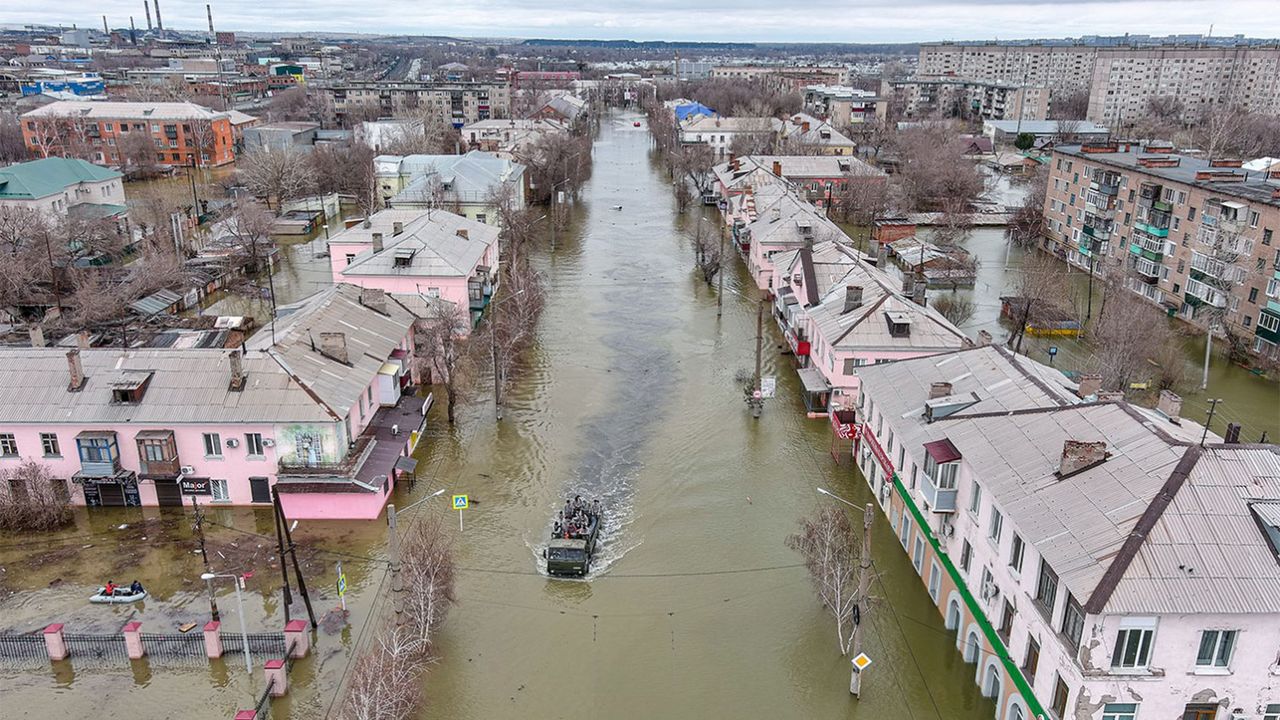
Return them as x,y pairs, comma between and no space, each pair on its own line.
864,587
284,568
293,552
198,527
393,553
1213,407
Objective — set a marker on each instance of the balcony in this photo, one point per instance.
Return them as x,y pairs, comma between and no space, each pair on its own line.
941,470
157,454
1160,232
1199,293
1146,268
99,454
1207,266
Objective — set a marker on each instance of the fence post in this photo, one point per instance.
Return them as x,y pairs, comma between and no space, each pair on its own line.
295,637
133,640
213,639
277,677
246,715
54,643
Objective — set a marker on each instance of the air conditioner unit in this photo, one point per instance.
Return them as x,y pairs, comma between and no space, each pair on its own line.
947,530
989,591
268,442
233,442
187,470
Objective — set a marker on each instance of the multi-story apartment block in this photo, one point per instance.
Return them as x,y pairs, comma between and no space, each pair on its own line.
783,77
455,103
978,100
843,106
1093,559
184,133
315,408
1121,80
1196,237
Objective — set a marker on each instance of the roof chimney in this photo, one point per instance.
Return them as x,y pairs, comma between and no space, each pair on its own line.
374,299
377,242
852,297
918,294
397,228
236,360
984,337
939,389
777,168
1110,396
1170,405
77,378
1078,455
366,223
333,345
1090,384
804,126
82,339
37,336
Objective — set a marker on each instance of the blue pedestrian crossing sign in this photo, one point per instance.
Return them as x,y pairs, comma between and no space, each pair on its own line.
460,502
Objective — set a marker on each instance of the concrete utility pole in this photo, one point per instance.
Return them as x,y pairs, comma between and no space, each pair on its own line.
758,398
864,587
493,358
393,554
1208,348
720,291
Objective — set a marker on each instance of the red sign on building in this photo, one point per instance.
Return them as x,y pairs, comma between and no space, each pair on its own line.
876,450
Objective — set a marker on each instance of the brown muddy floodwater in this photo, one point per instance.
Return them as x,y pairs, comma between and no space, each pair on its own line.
697,610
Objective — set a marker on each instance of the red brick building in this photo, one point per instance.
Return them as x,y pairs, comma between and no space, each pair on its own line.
183,133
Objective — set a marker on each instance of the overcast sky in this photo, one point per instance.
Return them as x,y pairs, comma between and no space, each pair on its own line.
739,20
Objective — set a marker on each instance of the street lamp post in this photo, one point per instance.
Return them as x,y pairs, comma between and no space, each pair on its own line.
864,586
244,634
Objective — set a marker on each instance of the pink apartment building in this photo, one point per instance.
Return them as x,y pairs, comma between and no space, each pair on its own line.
306,407
420,257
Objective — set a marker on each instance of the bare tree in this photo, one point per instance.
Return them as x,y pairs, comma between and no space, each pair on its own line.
558,161
346,169
12,147
1041,284
1125,339
46,134
959,310
138,158
1026,225
1069,105
933,172
860,201
829,545
442,351
32,499
706,253
282,174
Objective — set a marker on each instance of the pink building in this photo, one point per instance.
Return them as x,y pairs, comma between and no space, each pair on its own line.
306,407
1093,559
780,222
839,313
420,257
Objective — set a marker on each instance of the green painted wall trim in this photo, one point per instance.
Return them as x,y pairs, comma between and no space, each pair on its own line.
1011,668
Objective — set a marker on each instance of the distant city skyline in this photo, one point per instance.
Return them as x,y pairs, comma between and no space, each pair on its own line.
744,21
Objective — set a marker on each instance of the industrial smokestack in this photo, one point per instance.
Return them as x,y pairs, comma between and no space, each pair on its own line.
209,9
159,22
147,6
133,32
105,31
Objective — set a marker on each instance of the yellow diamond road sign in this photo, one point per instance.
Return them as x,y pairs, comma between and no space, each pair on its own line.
861,662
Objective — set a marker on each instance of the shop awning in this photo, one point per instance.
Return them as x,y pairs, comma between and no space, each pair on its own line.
813,380
406,464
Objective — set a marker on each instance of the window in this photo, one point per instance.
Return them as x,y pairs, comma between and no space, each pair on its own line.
943,476
1273,712
253,443
153,451
1120,711
1058,706
1006,621
1133,644
96,449
902,456
966,556
1015,553
219,490
481,218
1073,622
988,589
975,500
1031,660
996,525
935,580
1046,588
369,396
49,444
1215,648
8,445
212,445
350,257
915,470
905,535
917,557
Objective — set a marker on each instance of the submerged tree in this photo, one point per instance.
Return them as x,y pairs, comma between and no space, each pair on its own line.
442,350
828,543
32,499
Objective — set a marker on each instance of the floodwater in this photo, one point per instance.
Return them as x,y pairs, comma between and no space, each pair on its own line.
697,609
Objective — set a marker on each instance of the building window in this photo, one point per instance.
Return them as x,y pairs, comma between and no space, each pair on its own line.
219,490
966,556
212,445
917,557
8,445
253,443
1120,711
996,525
1133,644
944,475
1073,622
481,218
935,580
905,535
1006,621
915,470
1215,648
96,450
975,499
1031,660
49,444
1058,706
1273,712
1016,551
1046,588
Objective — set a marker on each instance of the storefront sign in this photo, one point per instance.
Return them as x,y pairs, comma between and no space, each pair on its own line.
878,451
196,486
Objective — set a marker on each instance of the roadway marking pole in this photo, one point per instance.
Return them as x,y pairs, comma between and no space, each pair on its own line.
864,587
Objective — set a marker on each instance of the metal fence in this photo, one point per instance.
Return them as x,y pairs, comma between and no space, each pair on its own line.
259,644
23,651
104,648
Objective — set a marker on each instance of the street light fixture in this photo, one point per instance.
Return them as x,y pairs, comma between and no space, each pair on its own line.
834,496
244,634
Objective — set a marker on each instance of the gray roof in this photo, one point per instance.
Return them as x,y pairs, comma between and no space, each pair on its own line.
1046,127
781,219
1255,188
433,246
470,176
371,336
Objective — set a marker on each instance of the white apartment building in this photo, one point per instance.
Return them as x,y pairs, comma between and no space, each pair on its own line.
720,132
1093,559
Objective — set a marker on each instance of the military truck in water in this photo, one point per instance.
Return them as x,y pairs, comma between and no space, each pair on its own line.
572,546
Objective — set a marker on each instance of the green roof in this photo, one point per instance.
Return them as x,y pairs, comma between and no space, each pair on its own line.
42,178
